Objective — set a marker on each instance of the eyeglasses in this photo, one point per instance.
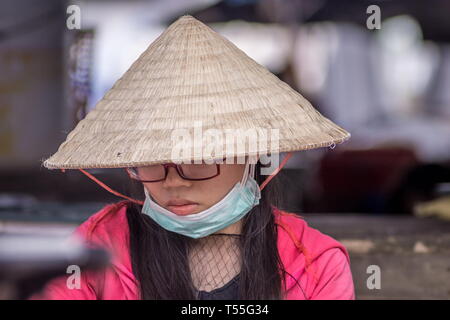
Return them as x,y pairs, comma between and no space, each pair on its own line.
158,172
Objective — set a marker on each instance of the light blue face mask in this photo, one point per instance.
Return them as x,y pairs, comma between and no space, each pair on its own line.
236,204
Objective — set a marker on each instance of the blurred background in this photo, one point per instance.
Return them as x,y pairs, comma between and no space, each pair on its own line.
385,193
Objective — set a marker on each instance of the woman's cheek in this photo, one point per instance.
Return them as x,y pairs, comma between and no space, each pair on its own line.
156,193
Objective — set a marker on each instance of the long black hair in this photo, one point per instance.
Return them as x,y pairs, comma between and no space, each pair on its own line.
160,257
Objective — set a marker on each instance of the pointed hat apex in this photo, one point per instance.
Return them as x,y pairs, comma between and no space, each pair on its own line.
192,78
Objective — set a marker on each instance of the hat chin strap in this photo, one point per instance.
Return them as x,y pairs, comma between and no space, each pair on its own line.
140,202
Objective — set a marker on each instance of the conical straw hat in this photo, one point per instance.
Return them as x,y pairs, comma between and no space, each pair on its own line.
192,78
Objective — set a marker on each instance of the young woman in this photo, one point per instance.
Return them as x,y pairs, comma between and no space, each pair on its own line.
205,230
266,254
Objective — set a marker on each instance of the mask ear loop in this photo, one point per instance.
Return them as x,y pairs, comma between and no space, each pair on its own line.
245,175
253,170
247,165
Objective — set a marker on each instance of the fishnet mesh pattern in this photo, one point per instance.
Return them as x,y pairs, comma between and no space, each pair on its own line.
214,260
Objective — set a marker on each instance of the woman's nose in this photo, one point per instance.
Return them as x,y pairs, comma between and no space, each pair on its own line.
173,179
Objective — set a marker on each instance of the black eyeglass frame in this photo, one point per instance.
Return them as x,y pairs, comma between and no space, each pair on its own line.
179,171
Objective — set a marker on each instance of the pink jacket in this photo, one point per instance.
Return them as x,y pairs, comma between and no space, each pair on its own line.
319,263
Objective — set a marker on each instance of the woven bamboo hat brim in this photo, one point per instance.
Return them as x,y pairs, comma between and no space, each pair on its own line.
191,75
